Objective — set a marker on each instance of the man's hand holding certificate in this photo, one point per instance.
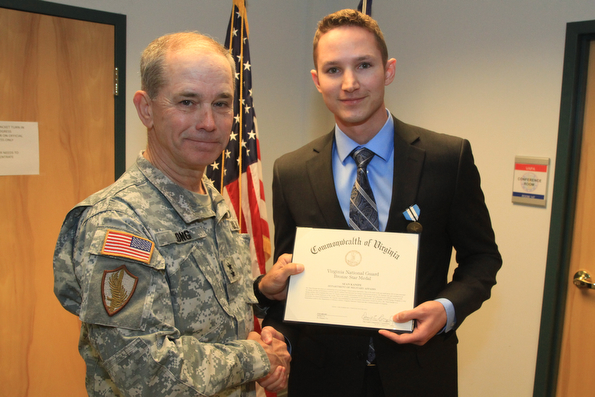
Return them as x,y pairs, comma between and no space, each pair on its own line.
353,278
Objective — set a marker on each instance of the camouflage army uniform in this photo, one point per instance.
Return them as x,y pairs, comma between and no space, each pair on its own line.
160,278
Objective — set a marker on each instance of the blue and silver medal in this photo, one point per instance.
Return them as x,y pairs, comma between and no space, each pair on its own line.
412,215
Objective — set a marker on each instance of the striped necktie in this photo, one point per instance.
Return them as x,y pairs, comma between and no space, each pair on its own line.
363,214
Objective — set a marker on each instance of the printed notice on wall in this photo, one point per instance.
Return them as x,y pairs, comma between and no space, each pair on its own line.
19,148
530,180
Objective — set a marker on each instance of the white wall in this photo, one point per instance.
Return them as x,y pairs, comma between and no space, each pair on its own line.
489,71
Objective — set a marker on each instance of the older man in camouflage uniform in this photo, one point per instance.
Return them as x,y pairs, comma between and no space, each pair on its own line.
154,265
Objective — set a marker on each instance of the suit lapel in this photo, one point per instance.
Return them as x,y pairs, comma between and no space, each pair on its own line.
408,166
409,161
320,173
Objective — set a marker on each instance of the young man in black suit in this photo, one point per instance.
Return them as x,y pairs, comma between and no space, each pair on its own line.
410,165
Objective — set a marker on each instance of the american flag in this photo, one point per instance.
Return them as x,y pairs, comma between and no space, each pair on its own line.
128,246
365,6
243,191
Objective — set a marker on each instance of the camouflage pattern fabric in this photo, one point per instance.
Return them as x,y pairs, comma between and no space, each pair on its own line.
160,278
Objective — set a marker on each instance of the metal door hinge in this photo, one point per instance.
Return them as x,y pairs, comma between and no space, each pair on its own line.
116,82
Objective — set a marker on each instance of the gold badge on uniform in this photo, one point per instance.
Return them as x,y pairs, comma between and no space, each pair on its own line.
117,287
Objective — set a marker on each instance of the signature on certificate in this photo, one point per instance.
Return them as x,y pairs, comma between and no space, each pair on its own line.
376,319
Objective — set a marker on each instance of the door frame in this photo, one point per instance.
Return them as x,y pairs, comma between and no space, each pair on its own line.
574,81
108,18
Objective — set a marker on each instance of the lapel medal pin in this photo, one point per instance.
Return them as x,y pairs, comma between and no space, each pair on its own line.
412,214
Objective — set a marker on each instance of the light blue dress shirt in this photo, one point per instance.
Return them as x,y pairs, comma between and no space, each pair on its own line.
380,169
380,175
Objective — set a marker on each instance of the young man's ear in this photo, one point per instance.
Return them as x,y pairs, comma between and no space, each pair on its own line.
314,74
143,103
389,71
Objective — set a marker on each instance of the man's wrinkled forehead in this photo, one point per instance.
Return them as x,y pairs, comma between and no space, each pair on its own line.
188,58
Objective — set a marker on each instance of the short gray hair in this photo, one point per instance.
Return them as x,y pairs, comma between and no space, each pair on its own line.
153,57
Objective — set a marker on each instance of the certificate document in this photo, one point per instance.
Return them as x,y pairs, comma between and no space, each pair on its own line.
353,278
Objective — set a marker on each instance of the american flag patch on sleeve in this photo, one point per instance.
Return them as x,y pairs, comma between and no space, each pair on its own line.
128,246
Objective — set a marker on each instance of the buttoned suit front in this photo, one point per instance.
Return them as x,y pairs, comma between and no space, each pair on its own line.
436,172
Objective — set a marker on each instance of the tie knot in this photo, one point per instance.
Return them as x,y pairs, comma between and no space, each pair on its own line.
362,156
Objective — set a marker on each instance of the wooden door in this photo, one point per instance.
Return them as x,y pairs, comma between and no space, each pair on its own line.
565,365
576,371
58,72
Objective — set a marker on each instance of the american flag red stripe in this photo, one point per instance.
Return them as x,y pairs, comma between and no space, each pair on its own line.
253,213
127,245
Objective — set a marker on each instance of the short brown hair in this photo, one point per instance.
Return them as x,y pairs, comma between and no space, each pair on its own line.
350,17
153,57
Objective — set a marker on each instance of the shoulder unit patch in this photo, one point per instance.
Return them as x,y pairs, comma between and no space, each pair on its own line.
117,287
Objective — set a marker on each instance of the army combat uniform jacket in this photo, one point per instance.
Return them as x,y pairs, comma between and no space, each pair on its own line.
160,278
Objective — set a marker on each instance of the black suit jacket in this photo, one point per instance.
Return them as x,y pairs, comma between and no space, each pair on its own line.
436,172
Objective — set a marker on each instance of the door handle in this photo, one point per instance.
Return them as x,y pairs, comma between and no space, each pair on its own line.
582,279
